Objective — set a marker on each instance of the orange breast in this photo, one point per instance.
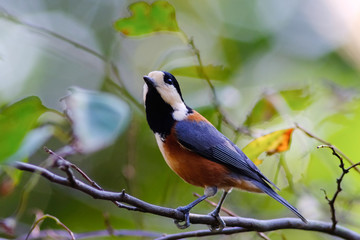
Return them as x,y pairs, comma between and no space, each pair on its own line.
193,168
198,170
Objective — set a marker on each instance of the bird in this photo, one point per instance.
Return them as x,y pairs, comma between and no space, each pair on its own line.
196,151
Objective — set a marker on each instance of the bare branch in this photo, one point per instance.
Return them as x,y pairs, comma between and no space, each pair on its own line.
339,180
270,225
240,224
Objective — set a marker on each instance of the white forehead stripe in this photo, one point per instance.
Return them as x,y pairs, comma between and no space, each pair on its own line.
158,76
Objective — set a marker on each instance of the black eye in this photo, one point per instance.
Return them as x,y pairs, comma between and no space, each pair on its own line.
168,81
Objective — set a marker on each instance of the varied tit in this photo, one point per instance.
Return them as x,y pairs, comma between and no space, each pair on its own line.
196,151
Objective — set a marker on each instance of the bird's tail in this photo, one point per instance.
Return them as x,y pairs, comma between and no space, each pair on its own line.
268,190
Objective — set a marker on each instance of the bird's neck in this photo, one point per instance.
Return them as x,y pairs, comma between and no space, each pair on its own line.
180,111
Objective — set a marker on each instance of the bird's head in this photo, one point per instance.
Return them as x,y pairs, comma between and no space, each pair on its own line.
162,91
165,84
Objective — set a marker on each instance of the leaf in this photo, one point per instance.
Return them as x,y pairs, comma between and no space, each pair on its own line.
32,141
16,121
263,111
214,72
97,118
278,141
297,99
146,19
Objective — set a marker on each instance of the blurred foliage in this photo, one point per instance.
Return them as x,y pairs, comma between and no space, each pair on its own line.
96,118
214,72
147,19
272,64
16,121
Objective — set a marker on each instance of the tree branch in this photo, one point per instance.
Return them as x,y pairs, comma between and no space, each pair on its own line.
338,182
240,224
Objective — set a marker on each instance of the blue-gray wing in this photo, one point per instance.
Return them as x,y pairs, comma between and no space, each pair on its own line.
204,139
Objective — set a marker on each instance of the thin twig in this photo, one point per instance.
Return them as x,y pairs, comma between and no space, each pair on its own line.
83,174
38,221
339,180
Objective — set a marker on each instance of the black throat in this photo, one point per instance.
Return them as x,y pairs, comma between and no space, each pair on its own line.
158,113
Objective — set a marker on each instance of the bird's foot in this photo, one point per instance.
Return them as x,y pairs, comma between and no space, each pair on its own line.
221,224
186,220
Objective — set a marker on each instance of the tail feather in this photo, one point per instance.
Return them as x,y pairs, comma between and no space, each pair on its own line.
268,190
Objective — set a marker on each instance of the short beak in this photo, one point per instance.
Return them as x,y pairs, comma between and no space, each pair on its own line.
149,81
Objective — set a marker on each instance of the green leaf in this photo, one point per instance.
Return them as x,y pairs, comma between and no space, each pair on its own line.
97,118
32,141
278,141
297,99
146,19
214,72
263,111
16,121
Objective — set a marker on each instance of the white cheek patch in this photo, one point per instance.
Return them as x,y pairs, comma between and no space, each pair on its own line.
172,97
180,113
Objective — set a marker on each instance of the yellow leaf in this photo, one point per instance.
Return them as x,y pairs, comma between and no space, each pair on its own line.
278,141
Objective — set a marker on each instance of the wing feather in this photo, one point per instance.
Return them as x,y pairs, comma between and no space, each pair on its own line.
204,139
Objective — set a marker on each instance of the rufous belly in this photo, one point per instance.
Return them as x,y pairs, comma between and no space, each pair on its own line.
198,170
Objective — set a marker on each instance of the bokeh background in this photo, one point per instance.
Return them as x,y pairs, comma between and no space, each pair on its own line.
281,63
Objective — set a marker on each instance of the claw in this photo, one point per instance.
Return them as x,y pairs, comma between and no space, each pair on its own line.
186,220
221,224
